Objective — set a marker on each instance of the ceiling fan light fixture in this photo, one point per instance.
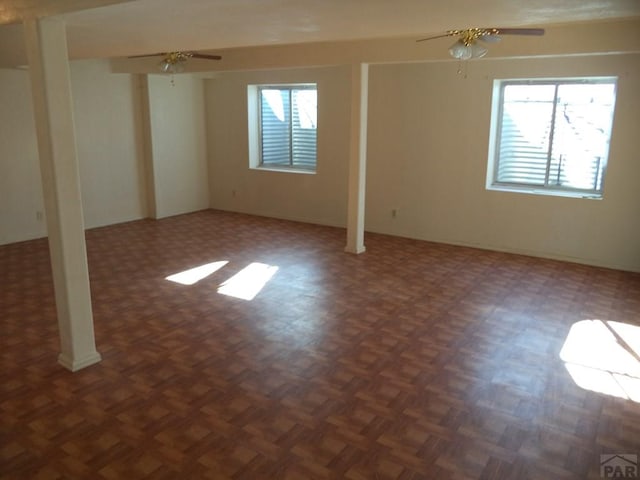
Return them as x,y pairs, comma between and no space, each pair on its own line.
462,50
173,62
478,51
165,66
178,67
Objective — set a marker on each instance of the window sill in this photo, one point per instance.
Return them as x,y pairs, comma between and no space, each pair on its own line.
545,192
285,170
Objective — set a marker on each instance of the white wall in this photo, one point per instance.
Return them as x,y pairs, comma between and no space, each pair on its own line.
20,187
109,142
178,144
108,138
319,198
427,157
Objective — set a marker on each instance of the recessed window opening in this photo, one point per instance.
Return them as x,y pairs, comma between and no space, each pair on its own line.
283,127
551,136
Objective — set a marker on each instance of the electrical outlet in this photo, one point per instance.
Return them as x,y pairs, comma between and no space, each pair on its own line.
394,213
39,215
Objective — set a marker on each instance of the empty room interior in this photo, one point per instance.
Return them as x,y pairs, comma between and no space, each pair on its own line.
272,239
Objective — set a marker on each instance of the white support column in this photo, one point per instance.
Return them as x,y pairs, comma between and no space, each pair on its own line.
46,44
149,167
357,158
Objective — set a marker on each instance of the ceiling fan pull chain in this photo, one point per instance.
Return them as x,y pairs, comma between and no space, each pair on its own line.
463,65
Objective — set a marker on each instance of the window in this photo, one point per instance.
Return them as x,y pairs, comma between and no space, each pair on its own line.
287,126
551,136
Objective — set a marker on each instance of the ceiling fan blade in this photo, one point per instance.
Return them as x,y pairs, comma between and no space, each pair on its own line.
487,34
492,38
148,55
448,34
205,56
516,31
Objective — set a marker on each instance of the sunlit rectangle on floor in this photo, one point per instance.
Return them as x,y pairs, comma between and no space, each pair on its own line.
248,282
194,275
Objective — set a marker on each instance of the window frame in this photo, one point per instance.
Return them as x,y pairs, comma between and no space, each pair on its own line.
495,138
256,129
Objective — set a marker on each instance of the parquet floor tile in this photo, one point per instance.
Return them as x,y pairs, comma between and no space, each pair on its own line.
412,361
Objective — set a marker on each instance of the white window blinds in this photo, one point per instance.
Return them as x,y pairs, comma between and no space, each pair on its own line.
288,126
554,134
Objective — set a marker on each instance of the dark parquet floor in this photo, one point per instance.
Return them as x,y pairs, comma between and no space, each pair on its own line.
412,361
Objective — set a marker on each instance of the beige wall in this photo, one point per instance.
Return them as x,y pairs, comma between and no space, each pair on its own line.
427,158
108,134
106,113
319,198
178,144
428,143
109,122
20,188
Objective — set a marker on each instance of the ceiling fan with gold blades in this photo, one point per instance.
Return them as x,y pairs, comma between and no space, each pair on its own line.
467,45
173,62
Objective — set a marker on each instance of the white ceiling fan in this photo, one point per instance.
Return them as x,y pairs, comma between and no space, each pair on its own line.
467,45
173,62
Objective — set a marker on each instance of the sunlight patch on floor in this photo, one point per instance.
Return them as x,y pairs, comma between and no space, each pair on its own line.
604,356
248,282
194,275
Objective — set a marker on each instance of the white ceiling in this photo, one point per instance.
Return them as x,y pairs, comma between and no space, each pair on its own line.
147,26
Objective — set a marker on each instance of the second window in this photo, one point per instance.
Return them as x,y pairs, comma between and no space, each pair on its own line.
288,126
